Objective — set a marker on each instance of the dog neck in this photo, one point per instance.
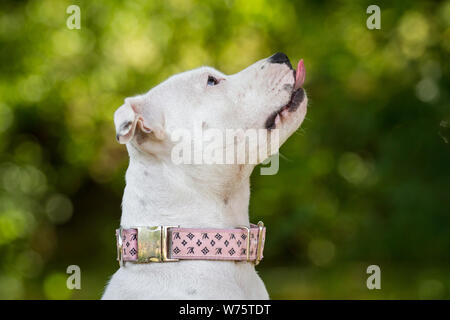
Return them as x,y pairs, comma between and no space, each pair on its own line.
161,193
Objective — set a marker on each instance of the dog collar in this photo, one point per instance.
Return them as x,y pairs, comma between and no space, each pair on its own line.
172,243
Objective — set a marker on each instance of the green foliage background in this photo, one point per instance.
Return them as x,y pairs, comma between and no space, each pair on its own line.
365,181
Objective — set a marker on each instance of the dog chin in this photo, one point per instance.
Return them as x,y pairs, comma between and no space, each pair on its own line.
296,102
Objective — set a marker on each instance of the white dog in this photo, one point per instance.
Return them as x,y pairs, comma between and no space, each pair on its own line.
266,95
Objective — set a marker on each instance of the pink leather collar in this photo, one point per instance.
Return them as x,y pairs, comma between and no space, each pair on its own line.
167,243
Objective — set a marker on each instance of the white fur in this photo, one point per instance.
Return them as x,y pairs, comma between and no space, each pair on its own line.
159,192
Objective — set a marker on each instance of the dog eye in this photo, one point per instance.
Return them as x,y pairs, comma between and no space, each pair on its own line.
212,81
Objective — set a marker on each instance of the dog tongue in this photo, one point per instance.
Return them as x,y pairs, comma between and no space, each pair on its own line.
300,75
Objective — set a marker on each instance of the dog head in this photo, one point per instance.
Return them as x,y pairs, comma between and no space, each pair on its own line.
267,95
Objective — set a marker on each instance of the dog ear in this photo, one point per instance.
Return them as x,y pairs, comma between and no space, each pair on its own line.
134,113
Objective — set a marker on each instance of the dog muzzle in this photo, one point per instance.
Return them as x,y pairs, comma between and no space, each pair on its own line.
172,243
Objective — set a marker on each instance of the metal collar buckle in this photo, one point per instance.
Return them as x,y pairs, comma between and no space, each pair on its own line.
153,244
259,243
119,247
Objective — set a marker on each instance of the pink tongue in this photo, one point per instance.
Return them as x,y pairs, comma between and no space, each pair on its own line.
300,75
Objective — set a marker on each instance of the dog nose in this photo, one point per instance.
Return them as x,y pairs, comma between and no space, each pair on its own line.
280,57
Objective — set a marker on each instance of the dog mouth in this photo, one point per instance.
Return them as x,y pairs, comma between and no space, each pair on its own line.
297,97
